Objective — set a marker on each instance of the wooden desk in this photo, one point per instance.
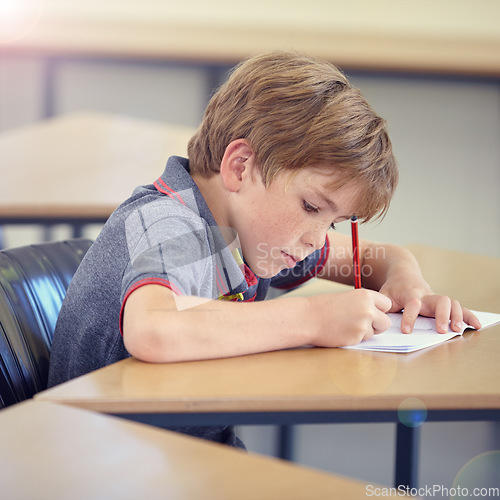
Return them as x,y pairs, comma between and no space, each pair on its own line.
461,374
57,452
457,380
78,168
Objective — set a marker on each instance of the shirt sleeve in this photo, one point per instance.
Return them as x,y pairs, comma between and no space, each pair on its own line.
171,246
303,270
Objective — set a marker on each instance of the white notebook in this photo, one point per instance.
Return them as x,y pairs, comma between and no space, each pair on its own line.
424,334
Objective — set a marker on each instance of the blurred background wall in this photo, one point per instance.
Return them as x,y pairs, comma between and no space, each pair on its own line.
431,68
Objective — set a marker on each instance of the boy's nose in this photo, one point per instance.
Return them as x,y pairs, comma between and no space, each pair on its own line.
314,239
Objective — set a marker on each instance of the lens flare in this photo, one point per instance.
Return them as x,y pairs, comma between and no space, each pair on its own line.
412,412
480,476
18,18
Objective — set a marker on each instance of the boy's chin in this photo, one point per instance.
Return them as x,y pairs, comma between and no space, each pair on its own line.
267,271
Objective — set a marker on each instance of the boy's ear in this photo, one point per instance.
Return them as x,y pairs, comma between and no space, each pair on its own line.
236,164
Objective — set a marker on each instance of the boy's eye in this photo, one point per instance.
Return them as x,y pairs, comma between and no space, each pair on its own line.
310,208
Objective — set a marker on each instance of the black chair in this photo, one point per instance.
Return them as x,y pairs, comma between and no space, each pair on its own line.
33,282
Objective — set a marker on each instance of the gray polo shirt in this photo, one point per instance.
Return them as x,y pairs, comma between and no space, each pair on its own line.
163,234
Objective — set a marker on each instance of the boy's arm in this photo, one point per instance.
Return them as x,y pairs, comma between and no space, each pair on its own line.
155,330
395,272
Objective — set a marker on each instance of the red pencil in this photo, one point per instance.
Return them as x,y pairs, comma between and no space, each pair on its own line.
355,252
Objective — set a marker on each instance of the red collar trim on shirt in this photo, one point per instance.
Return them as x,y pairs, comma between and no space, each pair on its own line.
250,277
161,186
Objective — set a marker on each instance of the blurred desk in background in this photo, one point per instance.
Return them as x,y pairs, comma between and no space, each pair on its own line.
77,169
56,452
444,36
472,279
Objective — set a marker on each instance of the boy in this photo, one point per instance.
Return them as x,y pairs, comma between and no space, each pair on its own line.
287,148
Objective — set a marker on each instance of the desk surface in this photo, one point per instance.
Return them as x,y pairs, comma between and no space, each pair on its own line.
57,452
462,373
82,165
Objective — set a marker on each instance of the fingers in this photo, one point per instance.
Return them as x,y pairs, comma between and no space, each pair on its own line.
449,314
381,322
379,319
456,316
410,313
442,313
446,311
382,302
471,319
370,315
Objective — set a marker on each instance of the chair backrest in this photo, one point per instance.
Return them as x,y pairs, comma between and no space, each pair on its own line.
33,282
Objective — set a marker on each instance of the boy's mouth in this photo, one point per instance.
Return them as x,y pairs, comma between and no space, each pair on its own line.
290,261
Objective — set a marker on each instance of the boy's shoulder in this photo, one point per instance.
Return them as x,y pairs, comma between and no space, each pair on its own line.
174,196
171,213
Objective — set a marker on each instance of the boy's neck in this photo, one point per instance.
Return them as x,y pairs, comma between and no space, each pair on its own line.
212,190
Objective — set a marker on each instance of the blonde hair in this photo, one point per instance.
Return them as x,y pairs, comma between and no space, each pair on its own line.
297,111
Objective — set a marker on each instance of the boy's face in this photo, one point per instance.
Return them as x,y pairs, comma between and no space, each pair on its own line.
282,224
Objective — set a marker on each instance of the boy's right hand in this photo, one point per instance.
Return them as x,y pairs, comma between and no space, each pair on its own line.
344,319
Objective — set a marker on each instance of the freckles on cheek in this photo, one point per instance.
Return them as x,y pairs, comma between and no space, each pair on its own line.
290,223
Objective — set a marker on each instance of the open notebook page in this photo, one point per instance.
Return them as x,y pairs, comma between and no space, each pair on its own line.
424,334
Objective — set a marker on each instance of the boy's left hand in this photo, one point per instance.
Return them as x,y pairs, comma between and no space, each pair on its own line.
414,295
